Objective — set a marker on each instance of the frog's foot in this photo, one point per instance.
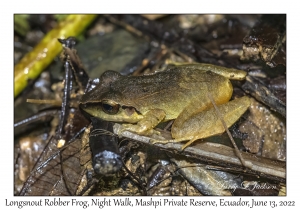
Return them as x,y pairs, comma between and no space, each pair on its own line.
159,141
156,141
138,130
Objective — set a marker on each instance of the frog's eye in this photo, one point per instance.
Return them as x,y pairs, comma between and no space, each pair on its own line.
110,107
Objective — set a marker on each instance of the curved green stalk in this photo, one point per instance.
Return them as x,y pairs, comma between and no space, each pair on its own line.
33,63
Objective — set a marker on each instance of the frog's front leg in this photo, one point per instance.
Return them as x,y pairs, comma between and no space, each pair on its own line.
207,123
145,126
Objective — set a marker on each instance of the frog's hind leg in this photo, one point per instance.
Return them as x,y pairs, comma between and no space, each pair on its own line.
194,108
186,119
207,123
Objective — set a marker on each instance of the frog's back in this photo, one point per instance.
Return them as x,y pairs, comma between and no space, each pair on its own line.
172,90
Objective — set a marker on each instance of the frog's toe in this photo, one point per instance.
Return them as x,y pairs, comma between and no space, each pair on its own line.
157,141
155,132
120,132
190,141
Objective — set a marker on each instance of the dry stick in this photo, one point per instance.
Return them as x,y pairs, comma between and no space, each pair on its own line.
237,151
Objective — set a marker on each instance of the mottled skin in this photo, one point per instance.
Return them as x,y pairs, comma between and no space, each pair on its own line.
178,93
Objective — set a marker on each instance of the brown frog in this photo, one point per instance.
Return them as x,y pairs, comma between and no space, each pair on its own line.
180,93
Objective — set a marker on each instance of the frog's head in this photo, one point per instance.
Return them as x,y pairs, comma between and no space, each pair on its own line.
105,103
111,110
